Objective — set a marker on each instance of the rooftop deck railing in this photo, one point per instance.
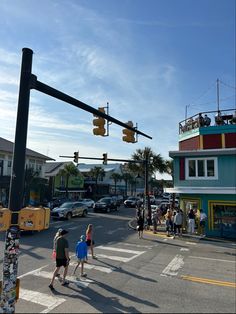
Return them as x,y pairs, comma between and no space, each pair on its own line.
208,118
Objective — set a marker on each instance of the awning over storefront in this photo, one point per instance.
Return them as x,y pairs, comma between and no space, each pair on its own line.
201,190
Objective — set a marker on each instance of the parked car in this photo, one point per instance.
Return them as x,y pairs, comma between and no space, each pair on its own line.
119,199
152,199
87,201
69,209
56,202
131,201
105,204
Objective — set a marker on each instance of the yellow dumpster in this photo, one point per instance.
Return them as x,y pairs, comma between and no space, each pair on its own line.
34,218
5,218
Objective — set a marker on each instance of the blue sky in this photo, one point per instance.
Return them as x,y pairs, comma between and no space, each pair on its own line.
149,59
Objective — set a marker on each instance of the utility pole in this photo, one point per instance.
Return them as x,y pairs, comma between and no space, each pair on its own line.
11,251
147,206
218,95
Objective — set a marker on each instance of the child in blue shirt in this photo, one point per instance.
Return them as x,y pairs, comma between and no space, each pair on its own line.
81,253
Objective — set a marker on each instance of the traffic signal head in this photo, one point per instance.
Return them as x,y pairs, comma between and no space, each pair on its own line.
105,158
99,122
129,135
76,157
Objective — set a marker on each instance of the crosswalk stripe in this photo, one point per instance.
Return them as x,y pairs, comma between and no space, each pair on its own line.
111,248
81,283
137,245
114,258
32,272
50,302
99,268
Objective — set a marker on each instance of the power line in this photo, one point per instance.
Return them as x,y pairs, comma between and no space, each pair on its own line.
233,87
210,87
209,102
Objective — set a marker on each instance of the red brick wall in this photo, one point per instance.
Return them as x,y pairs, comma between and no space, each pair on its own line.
190,144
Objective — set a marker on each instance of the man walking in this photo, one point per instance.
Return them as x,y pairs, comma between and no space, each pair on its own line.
62,258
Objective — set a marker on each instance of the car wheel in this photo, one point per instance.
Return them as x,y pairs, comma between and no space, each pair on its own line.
68,216
84,213
108,210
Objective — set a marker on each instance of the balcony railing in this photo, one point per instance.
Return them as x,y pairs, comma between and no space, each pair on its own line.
208,118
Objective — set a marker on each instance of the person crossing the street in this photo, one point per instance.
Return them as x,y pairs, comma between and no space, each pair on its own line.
62,258
81,253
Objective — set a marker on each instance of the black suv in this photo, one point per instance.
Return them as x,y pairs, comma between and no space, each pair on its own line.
105,204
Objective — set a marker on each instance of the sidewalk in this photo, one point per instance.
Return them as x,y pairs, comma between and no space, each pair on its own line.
161,232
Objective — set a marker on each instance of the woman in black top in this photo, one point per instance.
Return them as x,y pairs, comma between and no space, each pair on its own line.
140,223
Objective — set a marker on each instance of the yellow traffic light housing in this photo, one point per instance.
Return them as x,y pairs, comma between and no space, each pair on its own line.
76,157
105,159
99,122
129,135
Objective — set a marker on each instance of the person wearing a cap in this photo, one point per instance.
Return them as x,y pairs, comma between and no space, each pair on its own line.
58,233
62,258
81,253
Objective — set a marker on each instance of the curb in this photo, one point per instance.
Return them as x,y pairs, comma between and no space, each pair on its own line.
162,233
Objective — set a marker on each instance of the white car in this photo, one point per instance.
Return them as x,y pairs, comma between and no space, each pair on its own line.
88,202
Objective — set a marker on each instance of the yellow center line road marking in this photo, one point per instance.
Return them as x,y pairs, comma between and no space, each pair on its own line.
210,281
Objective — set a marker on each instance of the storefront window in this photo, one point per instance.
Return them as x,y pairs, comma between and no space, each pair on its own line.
224,216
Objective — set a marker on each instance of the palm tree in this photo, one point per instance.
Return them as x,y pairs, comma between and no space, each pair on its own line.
95,173
68,171
155,162
116,177
170,168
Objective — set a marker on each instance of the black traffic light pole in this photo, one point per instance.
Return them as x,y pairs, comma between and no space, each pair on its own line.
28,81
41,87
11,251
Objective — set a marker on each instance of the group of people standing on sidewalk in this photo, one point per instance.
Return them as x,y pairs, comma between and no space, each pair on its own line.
174,220
61,254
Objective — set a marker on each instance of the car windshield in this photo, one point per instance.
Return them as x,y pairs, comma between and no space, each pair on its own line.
131,199
66,205
105,200
79,204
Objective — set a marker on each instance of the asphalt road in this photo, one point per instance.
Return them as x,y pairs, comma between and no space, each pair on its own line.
155,274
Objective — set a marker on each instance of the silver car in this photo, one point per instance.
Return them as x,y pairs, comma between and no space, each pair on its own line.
69,209
88,202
